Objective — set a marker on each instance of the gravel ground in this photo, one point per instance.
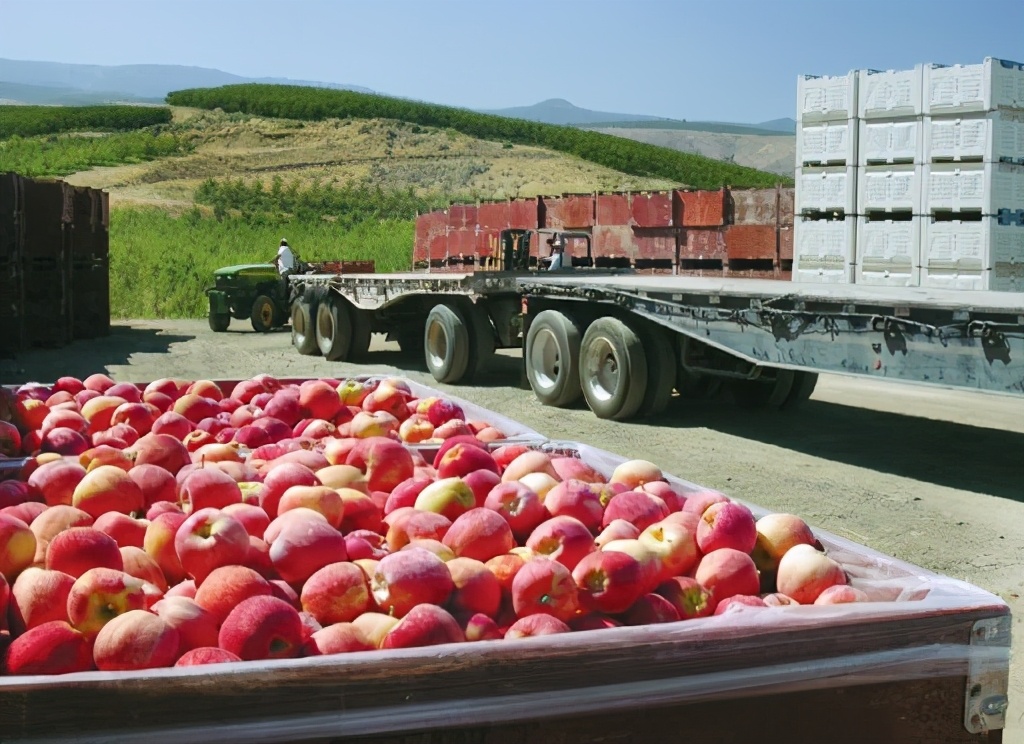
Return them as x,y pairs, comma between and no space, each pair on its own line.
933,477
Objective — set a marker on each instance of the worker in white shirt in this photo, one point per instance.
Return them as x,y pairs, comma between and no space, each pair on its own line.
285,260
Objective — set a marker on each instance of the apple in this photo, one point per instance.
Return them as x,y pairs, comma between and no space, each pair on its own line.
563,539
545,586
536,625
573,468
74,551
805,572
337,593
64,441
339,638
262,628
841,594
726,525
208,539
530,461
125,530
252,517
322,499
161,449
481,627
580,499
157,484
44,528
450,497
159,544
737,602
50,648
385,462
688,596
777,533
344,476
652,568
698,501
101,594
608,581
17,546
39,596
405,493
172,424
637,507
617,529
674,544
410,524
208,488
481,483
424,625
304,546
138,563
462,459
408,578
727,572
206,655
518,505
136,639
651,609
279,479
226,587
479,533
477,590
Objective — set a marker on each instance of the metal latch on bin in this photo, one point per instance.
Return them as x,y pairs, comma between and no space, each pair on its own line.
988,677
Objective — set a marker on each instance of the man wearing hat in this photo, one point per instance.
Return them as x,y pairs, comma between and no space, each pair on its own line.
558,259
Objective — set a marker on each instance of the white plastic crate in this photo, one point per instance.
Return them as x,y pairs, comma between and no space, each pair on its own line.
974,187
890,141
890,93
827,143
993,84
826,97
889,252
828,189
989,137
824,251
887,188
973,255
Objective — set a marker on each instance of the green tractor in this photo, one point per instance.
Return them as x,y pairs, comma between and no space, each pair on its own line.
253,291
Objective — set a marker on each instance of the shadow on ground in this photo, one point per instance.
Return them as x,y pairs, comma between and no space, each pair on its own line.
960,456
85,357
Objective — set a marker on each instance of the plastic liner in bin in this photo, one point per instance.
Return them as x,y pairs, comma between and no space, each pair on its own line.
918,626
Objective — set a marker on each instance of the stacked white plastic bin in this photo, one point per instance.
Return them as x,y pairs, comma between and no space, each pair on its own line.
824,230
890,172
973,194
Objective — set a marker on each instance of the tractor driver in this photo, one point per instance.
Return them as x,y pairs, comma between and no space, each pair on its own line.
285,263
558,259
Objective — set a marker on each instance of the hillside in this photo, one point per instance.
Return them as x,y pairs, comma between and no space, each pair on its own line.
377,152
775,153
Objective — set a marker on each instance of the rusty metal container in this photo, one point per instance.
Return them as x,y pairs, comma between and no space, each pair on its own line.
654,209
702,208
754,206
612,209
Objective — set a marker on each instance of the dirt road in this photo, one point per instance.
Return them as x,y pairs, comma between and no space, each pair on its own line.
933,477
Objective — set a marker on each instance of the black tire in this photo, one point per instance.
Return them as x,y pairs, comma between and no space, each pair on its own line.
333,329
552,356
361,332
303,331
219,322
661,371
446,344
803,386
613,369
262,314
481,342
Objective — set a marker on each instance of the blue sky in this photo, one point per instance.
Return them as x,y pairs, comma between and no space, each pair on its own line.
725,60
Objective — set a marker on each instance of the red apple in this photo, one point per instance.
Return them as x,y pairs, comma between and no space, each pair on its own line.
208,539
410,577
544,586
262,628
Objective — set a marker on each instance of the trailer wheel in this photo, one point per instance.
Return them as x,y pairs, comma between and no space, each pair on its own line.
359,347
613,369
803,386
303,331
552,357
446,343
661,371
219,322
333,329
262,314
481,342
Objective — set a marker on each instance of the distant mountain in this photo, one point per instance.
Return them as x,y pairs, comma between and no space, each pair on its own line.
787,126
55,82
560,111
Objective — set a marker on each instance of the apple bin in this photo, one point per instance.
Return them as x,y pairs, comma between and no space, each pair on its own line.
903,655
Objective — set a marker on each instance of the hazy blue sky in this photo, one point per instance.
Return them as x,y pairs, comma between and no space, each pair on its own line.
728,60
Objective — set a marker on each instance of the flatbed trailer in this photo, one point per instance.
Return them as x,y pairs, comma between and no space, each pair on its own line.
627,342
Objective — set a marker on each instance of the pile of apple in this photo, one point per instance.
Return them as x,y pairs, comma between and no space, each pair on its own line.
178,525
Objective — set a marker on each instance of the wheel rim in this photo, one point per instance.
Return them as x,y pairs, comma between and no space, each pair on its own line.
325,325
266,314
437,345
298,321
546,359
602,370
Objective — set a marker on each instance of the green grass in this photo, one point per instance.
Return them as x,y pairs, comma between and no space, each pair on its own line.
626,156
28,121
61,155
160,264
